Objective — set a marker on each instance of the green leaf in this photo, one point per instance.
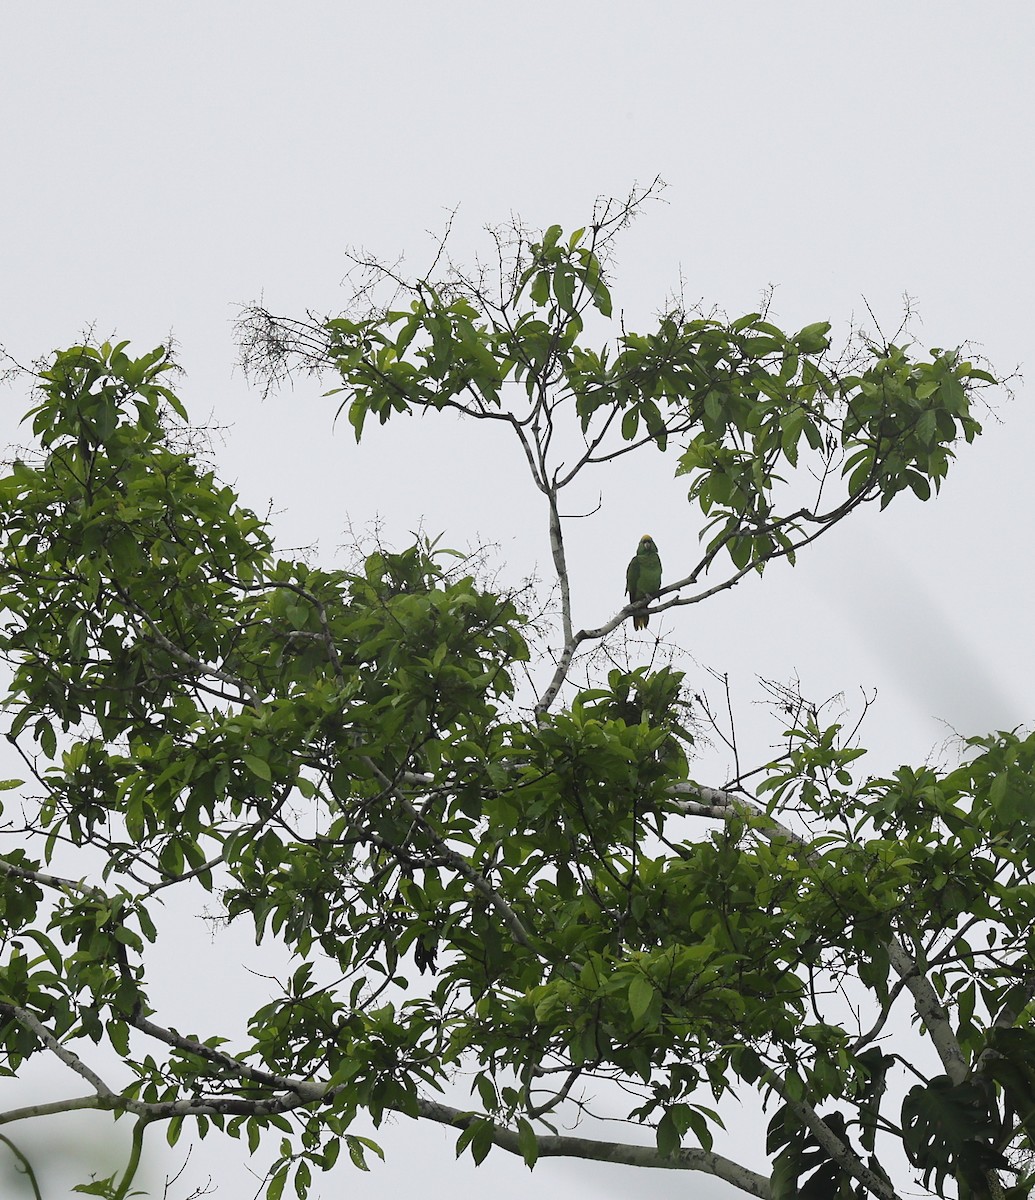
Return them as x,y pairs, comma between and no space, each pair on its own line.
275,1188
257,766
641,995
540,292
47,738
481,1143
920,485
564,288
791,425
927,426
99,1187
813,339
945,1126
486,1091
602,299
528,1143
667,1136
357,416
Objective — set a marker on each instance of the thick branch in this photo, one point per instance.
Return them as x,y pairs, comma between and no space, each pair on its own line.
550,1145
297,1092
843,1155
695,799
560,566
930,1010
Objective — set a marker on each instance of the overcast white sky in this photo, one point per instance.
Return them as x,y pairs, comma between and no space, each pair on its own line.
162,163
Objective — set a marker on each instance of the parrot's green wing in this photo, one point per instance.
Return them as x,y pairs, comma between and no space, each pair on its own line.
632,578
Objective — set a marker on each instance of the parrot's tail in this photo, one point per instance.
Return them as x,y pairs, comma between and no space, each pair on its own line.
640,621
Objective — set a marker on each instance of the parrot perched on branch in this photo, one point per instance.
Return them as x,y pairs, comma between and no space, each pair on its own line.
643,577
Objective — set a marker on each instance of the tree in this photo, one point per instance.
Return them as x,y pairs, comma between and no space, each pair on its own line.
479,870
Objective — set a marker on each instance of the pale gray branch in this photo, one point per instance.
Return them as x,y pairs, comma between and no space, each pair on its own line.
930,1010
560,565
51,881
53,1107
68,1057
843,1155
553,1145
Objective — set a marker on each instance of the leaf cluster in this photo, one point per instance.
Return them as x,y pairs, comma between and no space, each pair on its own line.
460,884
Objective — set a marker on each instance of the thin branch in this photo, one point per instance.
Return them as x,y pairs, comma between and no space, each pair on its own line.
572,644
307,1090
560,564
25,1166
68,1057
457,861
864,1039
539,1110
245,691
56,882
54,1107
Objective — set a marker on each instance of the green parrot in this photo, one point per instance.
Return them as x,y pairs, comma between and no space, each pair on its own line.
643,577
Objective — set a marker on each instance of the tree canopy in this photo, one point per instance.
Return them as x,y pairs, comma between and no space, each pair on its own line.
496,881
